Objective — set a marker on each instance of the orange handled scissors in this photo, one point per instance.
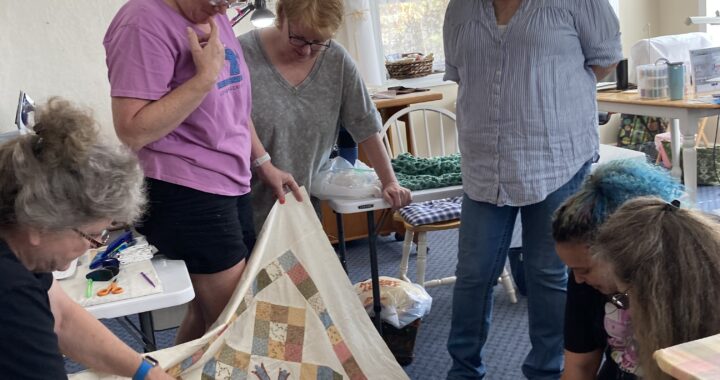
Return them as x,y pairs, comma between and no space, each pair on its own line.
113,288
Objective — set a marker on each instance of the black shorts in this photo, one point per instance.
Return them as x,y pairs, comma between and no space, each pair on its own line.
209,232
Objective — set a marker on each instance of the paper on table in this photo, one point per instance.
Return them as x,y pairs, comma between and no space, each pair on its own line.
129,278
389,94
605,85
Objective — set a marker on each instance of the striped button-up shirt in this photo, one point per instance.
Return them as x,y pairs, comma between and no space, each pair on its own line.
526,108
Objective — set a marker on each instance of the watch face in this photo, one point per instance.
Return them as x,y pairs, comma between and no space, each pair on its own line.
150,360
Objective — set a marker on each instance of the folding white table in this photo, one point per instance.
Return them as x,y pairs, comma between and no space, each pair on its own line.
177,290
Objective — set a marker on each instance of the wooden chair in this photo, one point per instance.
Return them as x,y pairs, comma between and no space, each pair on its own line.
437,126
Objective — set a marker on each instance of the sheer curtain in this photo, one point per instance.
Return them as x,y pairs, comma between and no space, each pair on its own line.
358,36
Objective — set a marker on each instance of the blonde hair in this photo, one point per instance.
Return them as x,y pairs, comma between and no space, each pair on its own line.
65,176
670,258
322,16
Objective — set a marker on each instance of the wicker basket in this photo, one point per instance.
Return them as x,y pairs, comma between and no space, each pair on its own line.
404,70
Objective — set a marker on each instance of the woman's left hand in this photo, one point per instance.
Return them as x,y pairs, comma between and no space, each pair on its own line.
396,195
278,181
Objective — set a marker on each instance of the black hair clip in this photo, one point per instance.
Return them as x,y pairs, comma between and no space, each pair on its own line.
674,205
38,144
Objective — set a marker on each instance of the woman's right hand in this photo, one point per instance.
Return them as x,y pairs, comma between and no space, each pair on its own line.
278,181
208,54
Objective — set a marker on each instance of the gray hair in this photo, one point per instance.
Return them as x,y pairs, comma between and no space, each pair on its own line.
65,175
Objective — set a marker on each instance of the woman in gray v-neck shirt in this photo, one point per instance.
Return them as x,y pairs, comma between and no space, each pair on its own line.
304,88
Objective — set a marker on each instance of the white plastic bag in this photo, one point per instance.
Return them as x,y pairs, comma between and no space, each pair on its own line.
339,178
402,302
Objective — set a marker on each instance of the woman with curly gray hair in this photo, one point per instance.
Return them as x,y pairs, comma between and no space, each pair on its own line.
666,262
61,187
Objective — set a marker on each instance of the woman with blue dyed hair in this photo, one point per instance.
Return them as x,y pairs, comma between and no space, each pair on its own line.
596,321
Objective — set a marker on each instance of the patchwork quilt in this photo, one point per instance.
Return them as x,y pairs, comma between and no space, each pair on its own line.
294,315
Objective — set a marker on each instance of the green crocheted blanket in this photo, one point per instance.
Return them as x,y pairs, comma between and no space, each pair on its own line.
418,173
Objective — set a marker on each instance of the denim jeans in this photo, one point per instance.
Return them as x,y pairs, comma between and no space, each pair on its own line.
485,234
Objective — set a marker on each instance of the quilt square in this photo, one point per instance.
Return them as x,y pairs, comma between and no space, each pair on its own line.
276,350
318,372
279,340
263,311
279,313
353,370
287,260
307,288
274,270
295,334
316,303
342,351
296,316
241,308
262,329
334,335
298,274
278,331
325,319
261,281
293,352
260,346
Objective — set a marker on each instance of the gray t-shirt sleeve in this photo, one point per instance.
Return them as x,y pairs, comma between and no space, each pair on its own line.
357,112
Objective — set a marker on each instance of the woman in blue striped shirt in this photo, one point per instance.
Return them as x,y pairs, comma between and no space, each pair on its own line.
527,119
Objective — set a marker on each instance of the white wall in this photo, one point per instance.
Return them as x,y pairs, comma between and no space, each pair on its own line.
54,47
674,13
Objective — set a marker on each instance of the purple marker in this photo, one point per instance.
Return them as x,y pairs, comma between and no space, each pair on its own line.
147,279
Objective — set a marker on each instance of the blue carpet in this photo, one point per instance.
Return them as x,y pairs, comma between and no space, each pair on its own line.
508,342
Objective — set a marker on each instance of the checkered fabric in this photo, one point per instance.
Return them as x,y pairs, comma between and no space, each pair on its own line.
439,210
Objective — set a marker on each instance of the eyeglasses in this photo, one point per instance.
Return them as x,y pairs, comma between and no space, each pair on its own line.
621,300
102,239
300,42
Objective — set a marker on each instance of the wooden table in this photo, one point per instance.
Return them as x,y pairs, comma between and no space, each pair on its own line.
401,101
355,226
695,360
685,115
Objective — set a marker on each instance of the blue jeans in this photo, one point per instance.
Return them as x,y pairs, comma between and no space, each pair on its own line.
485,234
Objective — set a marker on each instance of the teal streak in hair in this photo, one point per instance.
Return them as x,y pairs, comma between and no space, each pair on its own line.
616,182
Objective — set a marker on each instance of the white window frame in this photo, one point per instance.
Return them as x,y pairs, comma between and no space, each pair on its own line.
435,79
432,80
704,10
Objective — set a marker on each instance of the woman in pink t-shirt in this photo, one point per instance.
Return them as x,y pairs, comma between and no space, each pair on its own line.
181,98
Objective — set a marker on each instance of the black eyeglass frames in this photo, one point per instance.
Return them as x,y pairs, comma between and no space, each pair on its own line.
97,243
621,300
300,42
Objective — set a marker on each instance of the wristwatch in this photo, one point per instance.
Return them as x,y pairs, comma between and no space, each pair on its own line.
147,363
